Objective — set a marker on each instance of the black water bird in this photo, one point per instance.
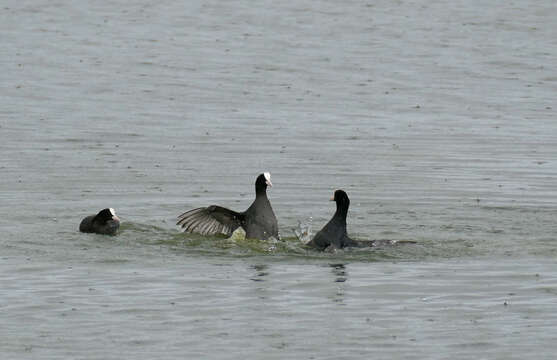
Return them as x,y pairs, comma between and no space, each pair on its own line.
334,232
105,222
258,221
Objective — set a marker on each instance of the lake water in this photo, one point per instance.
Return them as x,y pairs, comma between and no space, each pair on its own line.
437,118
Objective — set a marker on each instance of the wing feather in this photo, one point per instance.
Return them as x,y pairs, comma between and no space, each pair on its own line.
211,220
195,223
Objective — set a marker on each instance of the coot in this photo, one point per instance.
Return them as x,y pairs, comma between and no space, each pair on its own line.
334,235
105,222
258,221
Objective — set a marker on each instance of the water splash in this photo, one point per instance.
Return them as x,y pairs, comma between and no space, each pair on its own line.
238,235
303,232
142,236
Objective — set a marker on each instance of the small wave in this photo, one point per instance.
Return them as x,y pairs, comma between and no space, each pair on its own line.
237,245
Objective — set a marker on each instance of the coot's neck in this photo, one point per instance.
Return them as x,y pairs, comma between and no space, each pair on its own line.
342,211
260,189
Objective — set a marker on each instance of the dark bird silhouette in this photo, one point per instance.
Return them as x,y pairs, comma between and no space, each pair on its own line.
334,232
105,222
258,221
334,235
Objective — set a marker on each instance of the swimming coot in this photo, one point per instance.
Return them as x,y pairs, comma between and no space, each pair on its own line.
334,233
105,222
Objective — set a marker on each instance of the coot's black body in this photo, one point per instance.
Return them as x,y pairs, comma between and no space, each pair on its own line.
334,235
105,222
334,232
258,221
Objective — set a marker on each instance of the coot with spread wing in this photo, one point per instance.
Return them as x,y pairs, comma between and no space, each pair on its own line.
258,221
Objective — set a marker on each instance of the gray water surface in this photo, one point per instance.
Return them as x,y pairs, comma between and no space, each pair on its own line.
437,119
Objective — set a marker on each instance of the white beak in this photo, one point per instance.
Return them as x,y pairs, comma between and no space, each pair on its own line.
268,179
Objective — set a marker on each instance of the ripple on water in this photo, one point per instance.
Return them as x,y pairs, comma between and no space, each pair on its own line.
172,240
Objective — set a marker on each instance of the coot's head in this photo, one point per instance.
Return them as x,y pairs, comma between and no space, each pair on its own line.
341,199
106,215
262,182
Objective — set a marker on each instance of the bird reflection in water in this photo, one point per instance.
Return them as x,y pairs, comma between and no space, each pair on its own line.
340,276
339,270
261,272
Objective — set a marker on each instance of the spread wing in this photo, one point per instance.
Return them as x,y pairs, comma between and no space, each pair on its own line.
210,220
